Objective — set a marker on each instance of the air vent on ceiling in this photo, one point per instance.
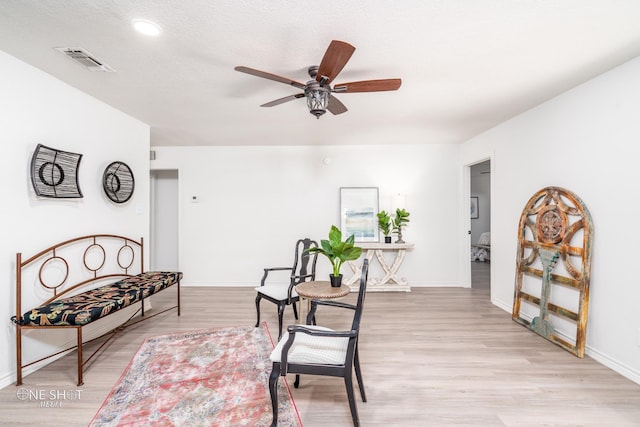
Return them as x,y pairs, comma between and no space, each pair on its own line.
85,59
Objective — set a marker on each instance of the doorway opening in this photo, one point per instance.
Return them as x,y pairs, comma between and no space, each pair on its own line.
480,229
163,233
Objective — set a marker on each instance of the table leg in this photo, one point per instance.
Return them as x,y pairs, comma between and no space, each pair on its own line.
391,271
357,267
302,314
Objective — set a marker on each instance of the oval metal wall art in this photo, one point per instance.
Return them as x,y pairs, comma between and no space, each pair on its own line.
118,182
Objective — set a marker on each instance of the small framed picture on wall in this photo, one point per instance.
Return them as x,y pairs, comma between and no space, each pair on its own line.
475,213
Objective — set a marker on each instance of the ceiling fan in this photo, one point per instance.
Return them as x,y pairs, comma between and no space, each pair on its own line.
318,90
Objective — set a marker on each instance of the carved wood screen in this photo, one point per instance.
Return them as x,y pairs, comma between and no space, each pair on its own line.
554,267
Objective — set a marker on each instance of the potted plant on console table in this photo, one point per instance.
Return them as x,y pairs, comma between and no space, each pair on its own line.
338,252
402,218
384,224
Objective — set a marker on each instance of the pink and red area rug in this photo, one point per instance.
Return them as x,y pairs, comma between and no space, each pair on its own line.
215,377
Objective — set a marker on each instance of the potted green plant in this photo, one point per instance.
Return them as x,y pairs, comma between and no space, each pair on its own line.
401,218
384,224
338,252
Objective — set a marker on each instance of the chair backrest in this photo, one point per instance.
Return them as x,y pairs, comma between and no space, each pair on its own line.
304,264
361,295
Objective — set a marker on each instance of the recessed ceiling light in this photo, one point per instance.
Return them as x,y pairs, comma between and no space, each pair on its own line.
145,27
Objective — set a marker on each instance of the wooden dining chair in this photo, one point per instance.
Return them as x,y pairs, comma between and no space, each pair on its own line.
283,293
316,350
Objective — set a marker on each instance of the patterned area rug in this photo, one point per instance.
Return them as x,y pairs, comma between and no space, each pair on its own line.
214,377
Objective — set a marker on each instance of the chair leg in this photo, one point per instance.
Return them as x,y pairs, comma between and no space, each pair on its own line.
258,298
295,310
348,382
311,319
296,383
273,390
281,307
356,364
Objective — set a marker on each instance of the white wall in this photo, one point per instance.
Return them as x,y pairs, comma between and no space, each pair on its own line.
588,141
256,201
36,108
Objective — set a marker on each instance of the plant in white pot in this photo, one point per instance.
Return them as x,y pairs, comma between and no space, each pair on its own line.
402,218
384,224
338,252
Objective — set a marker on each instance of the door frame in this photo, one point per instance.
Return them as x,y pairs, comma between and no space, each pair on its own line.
465,263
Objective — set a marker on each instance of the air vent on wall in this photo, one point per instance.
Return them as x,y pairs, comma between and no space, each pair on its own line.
85,59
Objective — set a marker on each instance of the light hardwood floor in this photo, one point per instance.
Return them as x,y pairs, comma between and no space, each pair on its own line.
431,357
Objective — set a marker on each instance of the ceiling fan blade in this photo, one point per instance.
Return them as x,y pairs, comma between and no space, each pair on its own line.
269,76
335,106
283,100
335,58
368,86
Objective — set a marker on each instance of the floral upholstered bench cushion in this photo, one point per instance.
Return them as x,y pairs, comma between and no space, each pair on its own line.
96,303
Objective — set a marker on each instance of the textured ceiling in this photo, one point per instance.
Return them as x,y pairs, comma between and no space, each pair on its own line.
466,65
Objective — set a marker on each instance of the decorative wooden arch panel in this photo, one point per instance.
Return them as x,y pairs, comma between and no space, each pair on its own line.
554,268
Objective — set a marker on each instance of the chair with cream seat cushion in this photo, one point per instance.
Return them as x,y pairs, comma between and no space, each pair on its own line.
309,349
316,350
283,293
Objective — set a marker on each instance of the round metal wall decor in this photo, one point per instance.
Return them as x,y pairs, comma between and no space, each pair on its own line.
118,182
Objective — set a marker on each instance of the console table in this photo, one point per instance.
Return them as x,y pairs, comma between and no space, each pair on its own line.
391,281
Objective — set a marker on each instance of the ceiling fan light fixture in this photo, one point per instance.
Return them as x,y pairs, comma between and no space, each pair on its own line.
317,98
318,90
